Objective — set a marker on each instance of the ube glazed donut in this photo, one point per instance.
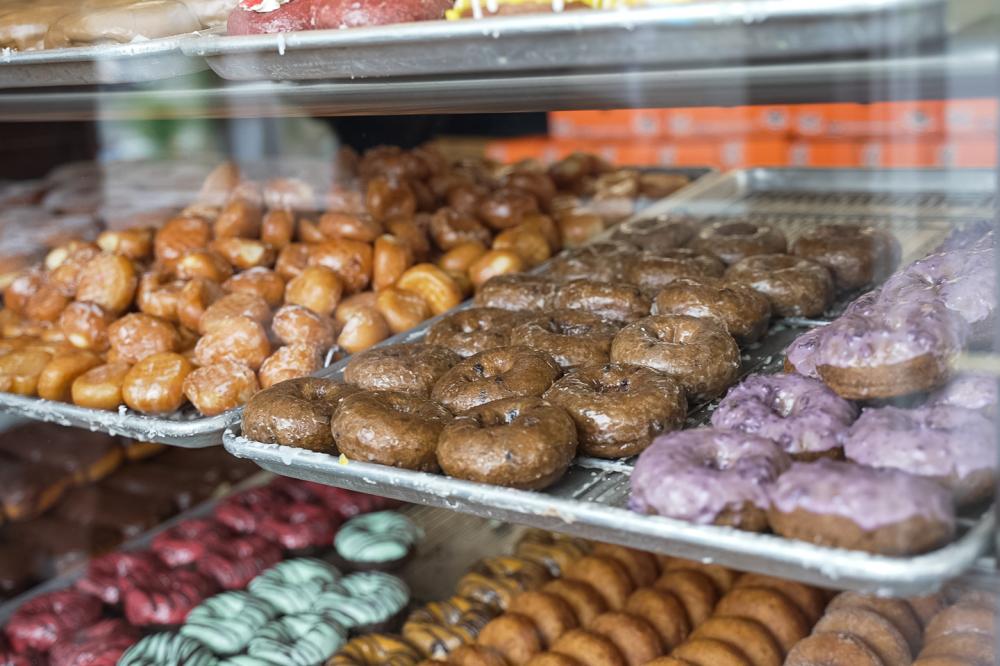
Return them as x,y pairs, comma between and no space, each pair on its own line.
796,287
295,413
855,255
517,442
653,272
894,350
732,240
410,368
708,476
571,337
619,409
970,391
952,445
616,301
800,356
390,428
517,292
744,312
508,372
801,415
697,353
471,331
844,505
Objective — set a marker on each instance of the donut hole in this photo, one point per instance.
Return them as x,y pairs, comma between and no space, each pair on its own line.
736,229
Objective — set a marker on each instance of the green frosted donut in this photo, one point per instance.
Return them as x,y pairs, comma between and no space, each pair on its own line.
374,538
168,650
244,660
226,622
293,585
305,639
363,599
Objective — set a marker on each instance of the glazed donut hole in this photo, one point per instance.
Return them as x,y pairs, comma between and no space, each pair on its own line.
155,385
260,281
295,324
204,264
290,362
214,389
234,306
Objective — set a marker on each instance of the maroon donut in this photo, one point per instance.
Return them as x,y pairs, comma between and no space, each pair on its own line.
243,512
234,564
188,541
51,618
99,645
108,575
165,599
300,526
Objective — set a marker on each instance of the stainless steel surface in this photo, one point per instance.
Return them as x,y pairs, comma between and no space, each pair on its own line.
674,36
920,207
137,62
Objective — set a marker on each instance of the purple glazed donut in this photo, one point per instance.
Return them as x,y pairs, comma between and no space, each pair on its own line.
801,415
845,505
952,445
800,356
968,391
707,476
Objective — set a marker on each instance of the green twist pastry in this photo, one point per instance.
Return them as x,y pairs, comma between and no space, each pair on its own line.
168,650
363,599
305,639
384,536
293,585
226,622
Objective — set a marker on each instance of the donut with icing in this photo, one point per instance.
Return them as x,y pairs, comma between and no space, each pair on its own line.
440,627
364,602
697,353
742,311
733,240
474,330
708,476
293,585
495,581
409,368
167,649
803,416
800,355
571,337
189,541
226,622
383,541
969,391
845,505
296,413
794,286
518,292
552,550
304,638
299,527
109,574
507,372
376,650
239,560
101,644
654,272
619,409
165,599
244,511
50,618
614,301
855,255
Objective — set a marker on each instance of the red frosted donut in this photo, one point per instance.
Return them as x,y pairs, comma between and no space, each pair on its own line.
238,561
165,599
338,14
243,512
300,526
51,618
100,645
109,574
290,17
188,541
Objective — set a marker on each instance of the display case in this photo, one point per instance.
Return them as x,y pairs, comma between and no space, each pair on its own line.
509,333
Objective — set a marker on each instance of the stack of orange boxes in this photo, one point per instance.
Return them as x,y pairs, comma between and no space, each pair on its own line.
958,133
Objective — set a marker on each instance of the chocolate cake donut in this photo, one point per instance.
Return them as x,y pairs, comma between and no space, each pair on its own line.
520,442
571,337
656,235
519,292
855,255
296,413
708,476
615,301
619,409
744,312
697,353
652,272
408,367
733,240
796,287
474,330
603,261
507,372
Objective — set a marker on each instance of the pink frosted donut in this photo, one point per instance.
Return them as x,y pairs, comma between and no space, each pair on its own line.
50,618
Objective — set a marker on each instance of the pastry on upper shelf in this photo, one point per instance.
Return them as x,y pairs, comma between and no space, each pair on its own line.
269,16
484,8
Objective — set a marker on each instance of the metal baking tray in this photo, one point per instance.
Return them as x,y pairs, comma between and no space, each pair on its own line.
682,34
590,501
137,62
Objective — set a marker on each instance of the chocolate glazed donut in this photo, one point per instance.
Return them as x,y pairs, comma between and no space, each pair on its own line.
603,261
616,301
744,312
732,240
508,372
517,442
619,409
572,337
517,292
390,428
656,235
652,273
855,255
471,331
796,287
295,413
411,368
698,353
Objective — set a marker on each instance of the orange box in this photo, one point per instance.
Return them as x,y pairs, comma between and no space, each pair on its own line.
619,124
823,153
971,116
515,150
834,121
727,121
968,154
725,154
907,154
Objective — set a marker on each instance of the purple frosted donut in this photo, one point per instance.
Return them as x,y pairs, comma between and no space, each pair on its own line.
707,476
968,391
800,356
845,505
801,415
952,445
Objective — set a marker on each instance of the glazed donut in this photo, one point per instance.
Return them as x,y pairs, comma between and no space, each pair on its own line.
589,649
733,240
801,415
656,234
450,228
516,442
441,626
795,287
390,428
495,581
616,301
710,651
619,409
855,255
697,353
519,292
604,261
750,636
708,476
555,555
876,631
585,601
475,330
695,590
295,413
47,619
244,511
226,622
651,273
742,311
769,607
376,650
408,368
508,372
513,636
664,611
305,638
551,615
821,648
571,337
609,578
641,566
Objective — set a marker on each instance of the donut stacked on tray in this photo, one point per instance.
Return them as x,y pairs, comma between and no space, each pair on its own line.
571,360
774,457
125,595
258,282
